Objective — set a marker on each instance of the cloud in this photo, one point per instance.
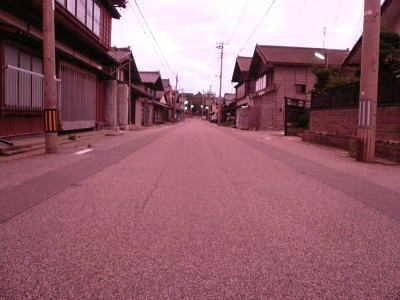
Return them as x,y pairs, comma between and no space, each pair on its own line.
188,32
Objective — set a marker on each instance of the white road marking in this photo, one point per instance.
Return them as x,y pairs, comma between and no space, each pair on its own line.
83,151
267,138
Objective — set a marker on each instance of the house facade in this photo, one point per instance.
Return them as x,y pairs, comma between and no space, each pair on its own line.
83,36
278,72
151,109
129,97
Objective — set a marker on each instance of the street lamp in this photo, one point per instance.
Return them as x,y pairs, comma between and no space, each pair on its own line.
319,55
323,57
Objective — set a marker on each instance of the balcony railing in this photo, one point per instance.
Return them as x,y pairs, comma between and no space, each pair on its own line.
24,91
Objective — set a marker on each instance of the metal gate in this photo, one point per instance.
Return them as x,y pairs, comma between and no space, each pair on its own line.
295,109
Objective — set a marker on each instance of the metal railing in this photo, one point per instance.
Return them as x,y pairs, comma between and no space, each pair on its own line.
297,102
23,89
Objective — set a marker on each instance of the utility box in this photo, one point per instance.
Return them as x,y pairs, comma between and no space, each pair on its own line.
248,117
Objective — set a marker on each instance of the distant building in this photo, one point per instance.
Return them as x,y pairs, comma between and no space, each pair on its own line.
276,72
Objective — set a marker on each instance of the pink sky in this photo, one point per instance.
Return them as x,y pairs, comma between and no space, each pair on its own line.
188,32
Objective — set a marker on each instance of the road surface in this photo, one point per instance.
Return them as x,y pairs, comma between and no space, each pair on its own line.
199,211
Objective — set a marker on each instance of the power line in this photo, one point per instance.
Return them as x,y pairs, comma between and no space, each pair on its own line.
300,12
152,35
137,17
336,19
238,20
258,25
226,18
252,33
359,21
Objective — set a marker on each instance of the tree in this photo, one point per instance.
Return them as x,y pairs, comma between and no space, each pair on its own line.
389,65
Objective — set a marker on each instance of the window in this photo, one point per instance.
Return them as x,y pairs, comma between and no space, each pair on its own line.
300,88
89,14
81,10
23,80
71,6
86,11
96,19
261,83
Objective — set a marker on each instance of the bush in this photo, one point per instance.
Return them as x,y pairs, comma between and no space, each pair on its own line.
303,120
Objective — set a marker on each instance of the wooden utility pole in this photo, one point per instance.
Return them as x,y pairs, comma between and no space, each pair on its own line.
49,68
174,100
366,133
221,47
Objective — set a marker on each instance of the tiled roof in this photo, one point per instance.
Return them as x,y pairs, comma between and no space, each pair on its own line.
300,56
120,54
244,63
149,77
242,68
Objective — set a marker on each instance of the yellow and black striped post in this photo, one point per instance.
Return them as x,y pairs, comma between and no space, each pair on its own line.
51,120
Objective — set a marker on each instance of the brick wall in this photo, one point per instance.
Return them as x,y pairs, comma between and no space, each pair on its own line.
343,122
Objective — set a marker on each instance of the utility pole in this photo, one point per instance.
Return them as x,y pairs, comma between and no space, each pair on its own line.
221,47
174,100
366,133
49,68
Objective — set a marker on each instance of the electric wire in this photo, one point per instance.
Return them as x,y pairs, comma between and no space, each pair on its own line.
153,36
258,25
359,22
300,13
244,8
336,19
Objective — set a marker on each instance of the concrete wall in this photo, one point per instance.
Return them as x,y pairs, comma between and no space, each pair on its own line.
111,103
123,105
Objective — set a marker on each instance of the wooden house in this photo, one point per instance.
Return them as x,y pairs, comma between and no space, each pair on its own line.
280,72
83,35
130,97
151,83
245,85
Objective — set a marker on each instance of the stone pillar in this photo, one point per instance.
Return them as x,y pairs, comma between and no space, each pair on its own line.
123,106
111,104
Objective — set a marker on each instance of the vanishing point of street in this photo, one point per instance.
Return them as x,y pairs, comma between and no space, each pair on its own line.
199,211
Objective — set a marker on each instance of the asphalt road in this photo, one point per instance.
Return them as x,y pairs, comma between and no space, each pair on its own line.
199,211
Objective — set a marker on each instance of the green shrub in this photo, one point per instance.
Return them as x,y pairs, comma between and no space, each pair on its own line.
303,120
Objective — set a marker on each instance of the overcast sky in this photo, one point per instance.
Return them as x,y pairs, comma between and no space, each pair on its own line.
187,32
